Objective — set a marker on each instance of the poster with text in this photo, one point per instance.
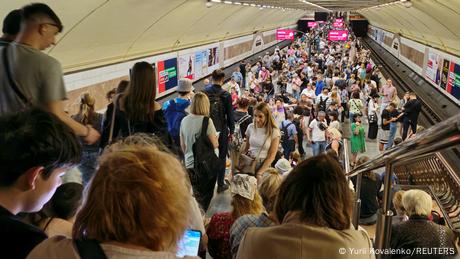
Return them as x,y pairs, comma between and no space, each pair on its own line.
213,59
186,66
444,73
453,82
201,64
167,74
433,67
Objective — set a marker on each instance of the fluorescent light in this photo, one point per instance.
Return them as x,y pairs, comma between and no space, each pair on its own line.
237,3
227,2
216,1
245,4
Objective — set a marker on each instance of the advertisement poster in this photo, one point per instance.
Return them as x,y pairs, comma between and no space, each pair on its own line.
167,74
213,59
433,68
201,64
312,24
444,73
453,82
186,66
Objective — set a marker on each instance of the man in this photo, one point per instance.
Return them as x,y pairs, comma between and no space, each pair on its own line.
323,100
319,85
36,149
238,76
388,92
411,111
176,109
316,134
289,135
35,79
11,27
389,116
221,113
243,73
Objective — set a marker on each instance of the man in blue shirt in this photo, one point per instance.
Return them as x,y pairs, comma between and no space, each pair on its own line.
289,135
319,85
238,77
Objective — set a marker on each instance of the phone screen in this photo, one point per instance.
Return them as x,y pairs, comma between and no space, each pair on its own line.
189,244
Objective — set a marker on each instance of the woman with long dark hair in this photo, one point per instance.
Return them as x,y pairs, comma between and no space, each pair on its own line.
136,110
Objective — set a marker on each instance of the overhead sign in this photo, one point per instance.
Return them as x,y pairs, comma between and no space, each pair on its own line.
339,20
284,35
337,24
337,35
312,24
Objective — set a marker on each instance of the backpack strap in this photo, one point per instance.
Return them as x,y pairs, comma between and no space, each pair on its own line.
204,126
89,249
11,81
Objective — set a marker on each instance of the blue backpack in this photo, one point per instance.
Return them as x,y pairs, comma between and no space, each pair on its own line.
174,118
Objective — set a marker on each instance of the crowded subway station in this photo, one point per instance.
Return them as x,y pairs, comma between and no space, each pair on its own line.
214,129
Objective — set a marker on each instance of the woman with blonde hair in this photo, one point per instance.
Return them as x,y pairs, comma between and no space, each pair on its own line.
90,118
262,138
191,126
136,206
245,200
335,141
268,190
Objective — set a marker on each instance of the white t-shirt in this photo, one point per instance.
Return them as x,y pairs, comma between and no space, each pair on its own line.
257,137
309,93
317,134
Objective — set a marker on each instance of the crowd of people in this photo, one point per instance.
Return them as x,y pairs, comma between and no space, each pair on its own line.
272,136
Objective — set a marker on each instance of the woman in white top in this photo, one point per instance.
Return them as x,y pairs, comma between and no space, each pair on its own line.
372,113
190,128
262,138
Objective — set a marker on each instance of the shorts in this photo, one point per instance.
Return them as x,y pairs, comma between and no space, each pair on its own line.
384,135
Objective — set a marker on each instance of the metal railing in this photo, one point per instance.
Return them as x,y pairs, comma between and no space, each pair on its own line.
417,162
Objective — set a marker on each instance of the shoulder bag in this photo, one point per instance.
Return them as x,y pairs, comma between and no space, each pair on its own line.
247,164
26,101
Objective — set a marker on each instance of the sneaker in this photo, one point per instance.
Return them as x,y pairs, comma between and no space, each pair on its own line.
222,188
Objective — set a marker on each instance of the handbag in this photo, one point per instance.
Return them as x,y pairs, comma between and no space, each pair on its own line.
247,164
372,118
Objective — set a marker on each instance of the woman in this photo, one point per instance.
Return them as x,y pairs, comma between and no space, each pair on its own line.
90,118
334,120
136,110
64,205
335,142
262,138
190,128
137,206
357,139
268,190
372,111
399,208
245,200
314,208
419,231
370,188
355,105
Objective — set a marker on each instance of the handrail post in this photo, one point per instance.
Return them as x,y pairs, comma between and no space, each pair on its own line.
357,204
383,233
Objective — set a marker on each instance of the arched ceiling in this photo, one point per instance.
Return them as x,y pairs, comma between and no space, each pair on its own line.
101,32
432,22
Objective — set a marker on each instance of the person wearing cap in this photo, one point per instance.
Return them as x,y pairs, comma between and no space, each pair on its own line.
37,78
11,27
283,166
176,109
245,200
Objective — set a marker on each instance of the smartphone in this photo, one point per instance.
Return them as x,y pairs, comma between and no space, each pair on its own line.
190,243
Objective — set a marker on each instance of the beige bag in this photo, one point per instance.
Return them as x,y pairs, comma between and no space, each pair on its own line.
247,164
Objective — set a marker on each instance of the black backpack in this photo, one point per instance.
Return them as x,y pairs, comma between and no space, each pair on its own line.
284,132
206,163
322,104
217,110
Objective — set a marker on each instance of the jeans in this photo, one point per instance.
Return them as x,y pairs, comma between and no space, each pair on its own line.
288,148
318,147
393,127
350,116
88,165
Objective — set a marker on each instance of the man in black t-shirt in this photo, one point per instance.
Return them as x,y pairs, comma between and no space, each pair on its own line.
36,148
389,115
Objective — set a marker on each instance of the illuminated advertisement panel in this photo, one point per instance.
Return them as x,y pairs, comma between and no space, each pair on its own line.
167,74
284,35
337,35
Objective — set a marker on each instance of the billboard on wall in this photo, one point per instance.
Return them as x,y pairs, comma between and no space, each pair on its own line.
337,35
339,20
284,34
201,63
433,68
444,73
337,24
167,74
187,66
453,81
213,59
